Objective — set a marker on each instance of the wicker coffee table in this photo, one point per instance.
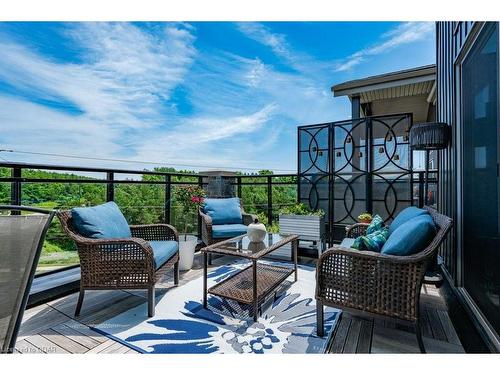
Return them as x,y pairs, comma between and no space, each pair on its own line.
253,284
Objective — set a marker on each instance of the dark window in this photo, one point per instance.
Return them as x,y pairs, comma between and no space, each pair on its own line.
480,175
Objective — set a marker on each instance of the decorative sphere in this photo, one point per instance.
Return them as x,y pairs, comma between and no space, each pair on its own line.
256,231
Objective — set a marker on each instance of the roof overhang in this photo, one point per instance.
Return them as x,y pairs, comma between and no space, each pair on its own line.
410,82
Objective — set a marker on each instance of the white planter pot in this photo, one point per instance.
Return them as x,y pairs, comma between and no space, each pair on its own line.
187,245
308,228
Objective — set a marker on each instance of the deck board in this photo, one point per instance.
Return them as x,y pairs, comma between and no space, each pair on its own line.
76,336
52,327
351,342
64,342
365,337
340,336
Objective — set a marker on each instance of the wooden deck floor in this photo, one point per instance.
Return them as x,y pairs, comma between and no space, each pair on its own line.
52,328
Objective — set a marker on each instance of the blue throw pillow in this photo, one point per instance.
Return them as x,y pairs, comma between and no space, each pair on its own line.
223,211
104,221
376,224
411,237
404,216
373,241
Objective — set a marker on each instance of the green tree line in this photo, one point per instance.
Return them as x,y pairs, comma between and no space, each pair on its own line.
141,203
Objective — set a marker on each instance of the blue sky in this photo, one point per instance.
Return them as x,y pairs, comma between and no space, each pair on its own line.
216,94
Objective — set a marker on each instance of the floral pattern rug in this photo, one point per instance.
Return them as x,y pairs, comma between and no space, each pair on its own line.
181,325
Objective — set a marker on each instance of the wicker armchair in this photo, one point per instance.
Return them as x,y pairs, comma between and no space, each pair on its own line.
374,283
126,263
206,227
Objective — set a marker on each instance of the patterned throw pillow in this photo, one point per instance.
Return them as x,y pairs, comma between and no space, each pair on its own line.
376,224
373,241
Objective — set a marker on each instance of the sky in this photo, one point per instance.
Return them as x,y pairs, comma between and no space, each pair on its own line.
194,95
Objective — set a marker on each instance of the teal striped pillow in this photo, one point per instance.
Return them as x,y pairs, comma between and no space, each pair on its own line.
373,241
376,224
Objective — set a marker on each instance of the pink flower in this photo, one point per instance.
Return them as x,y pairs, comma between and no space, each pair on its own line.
196,199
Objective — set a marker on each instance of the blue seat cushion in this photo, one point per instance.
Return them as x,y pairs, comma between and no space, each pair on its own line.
228,230
411,237
405,215
163,251
223,211
105,221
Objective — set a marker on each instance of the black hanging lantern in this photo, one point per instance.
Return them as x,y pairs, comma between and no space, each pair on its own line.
429,136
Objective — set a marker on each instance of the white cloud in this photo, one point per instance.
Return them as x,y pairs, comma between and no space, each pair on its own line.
298,60
126,75
122,91
32,127
404,33
262,34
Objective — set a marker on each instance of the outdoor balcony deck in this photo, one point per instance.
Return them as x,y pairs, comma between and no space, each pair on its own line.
52,327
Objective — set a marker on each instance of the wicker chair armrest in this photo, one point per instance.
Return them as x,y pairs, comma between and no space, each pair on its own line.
355,253
155,232
248,218
123,262
369,281
119,249
117,243
356,230
206,228
205,218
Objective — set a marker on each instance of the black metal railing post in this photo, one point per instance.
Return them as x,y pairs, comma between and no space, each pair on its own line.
369,165
200,184
168,198
238,186
269,200
110,187
15,190
421,188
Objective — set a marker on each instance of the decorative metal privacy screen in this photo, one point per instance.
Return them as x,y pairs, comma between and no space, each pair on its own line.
355,166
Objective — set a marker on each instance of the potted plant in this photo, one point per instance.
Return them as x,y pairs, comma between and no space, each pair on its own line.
365,218
190,199
308,224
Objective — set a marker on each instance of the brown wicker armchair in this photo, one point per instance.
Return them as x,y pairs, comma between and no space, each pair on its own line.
206,227
126,263
374,283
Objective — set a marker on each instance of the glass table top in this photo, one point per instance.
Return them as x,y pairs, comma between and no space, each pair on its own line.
242,246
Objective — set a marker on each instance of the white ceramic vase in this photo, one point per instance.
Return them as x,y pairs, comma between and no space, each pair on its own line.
256,231
187,245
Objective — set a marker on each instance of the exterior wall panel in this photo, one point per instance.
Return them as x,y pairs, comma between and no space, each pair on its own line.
453,43
451,40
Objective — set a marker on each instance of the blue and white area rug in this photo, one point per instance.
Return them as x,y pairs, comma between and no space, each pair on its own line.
181,324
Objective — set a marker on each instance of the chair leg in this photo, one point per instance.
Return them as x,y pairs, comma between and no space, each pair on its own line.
176,273
320,330
151,301
80,302
418,331
210,259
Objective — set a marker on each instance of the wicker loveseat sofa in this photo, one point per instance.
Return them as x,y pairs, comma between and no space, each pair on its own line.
114,255
373,283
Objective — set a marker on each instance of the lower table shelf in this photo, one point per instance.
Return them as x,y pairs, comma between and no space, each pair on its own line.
239,287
